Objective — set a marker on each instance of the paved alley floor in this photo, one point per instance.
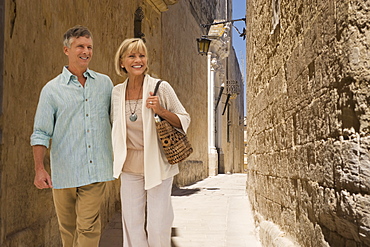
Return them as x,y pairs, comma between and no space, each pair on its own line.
214,212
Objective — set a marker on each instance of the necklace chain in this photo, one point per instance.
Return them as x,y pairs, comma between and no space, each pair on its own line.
133,115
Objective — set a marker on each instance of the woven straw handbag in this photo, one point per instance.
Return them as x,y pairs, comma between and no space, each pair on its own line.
175,144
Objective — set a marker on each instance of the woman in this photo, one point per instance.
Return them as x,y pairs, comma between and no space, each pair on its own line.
146,176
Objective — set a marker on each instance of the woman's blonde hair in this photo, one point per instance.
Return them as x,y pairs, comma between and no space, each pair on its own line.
127,46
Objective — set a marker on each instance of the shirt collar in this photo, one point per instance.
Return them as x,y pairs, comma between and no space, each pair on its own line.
67,75
90,73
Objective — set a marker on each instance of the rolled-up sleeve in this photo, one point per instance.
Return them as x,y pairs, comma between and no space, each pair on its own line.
44,120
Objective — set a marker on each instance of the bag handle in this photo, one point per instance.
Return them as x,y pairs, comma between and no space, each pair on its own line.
156,87
157,118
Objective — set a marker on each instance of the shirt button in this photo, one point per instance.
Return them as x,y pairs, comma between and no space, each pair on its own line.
86,100
88,131
90,161
89,146
87,115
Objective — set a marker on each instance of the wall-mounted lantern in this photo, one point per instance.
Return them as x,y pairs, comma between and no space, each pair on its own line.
205,41
203,45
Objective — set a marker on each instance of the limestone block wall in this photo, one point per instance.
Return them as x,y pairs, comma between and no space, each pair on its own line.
308,121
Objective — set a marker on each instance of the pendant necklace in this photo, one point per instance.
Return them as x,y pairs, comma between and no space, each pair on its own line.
133,116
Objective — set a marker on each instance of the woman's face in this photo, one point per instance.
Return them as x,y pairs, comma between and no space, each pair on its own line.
135,62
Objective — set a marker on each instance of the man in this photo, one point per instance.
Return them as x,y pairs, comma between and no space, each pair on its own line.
73,111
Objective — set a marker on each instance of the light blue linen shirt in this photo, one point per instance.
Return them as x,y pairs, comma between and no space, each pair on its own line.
76,118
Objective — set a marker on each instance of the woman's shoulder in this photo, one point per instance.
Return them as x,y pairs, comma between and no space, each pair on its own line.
154,80
117,89
166,87
166,84
119,86
164,90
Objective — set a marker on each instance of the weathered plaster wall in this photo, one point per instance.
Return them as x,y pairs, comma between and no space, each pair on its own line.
232,121
33,55
187,72
308,122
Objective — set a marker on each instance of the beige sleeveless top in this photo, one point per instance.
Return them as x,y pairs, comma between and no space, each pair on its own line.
135,141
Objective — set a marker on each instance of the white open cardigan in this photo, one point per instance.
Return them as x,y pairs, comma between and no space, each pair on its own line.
156,167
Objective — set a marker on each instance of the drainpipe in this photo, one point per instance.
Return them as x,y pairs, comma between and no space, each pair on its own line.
212,151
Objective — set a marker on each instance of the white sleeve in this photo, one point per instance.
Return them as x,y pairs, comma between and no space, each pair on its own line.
171,102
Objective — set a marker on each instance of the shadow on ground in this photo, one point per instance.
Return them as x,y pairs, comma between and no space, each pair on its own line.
183,192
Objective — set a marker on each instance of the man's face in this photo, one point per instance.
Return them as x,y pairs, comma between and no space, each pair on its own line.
80,52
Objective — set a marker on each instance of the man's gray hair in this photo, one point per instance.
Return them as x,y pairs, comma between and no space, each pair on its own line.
75,32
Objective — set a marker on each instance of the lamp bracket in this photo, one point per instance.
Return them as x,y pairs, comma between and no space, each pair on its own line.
223,22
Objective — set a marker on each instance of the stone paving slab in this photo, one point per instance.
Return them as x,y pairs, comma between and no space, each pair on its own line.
214,212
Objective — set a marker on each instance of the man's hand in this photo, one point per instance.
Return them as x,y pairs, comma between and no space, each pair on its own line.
42,179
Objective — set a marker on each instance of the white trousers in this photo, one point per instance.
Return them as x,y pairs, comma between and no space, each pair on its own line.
159,214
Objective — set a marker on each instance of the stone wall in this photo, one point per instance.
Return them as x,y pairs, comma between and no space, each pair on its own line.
33,55
308,121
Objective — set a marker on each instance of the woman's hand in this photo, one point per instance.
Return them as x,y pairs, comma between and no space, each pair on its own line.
153,102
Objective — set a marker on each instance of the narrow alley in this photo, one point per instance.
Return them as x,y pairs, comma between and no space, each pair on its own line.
214,212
